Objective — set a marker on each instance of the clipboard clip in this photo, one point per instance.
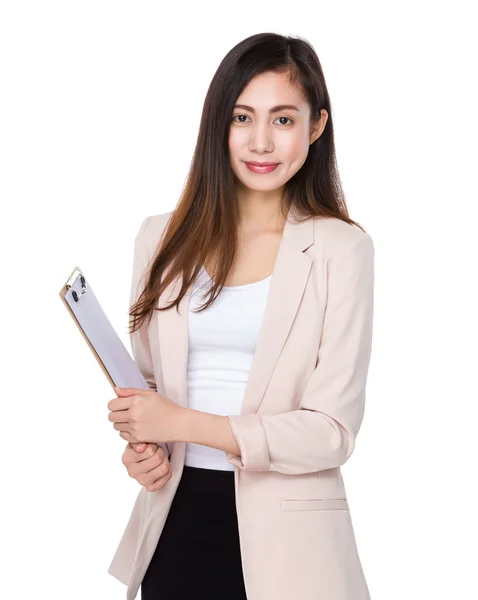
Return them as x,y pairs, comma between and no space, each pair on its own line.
69,284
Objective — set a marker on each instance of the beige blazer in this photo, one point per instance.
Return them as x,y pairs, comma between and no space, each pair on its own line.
301,413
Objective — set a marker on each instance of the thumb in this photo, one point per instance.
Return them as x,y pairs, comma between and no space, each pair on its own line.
141,447
130,391
124,391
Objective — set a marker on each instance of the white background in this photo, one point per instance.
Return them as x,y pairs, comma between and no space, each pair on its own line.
100,109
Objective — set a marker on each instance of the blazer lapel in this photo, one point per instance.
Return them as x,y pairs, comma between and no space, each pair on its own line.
289,278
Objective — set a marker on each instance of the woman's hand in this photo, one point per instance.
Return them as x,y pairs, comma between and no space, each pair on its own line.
144,416
147,463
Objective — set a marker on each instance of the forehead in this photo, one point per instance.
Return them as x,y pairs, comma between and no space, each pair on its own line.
269,89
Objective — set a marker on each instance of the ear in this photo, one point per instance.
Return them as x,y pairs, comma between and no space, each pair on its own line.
318,126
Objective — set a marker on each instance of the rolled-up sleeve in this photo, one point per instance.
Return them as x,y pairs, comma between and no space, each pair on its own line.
321,433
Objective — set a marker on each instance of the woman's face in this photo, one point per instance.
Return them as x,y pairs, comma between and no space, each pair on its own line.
258,133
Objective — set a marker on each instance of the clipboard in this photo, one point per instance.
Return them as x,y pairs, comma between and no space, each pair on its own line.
111,354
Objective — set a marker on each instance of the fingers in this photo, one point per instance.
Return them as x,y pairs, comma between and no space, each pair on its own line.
149,470
148,465
147,461
156,478
131,457
161,482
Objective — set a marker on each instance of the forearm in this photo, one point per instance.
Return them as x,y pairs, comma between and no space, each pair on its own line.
208,429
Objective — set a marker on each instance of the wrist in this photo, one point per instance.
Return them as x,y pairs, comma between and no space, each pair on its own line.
184,422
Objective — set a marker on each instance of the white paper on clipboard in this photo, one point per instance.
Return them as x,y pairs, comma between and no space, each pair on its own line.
107,347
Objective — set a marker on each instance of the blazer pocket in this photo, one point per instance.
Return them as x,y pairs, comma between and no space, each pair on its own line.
315,504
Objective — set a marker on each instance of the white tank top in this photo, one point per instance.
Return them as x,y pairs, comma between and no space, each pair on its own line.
222,343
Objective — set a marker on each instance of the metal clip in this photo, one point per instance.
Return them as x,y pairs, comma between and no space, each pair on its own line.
71,281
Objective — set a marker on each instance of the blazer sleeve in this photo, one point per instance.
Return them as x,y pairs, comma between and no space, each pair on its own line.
139,340
321,433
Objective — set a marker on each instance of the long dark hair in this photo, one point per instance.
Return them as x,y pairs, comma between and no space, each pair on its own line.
205,220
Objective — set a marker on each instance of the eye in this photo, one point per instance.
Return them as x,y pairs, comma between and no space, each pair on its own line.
282,124
239,116
285,125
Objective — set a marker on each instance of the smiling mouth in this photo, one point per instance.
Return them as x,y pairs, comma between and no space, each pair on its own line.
261,169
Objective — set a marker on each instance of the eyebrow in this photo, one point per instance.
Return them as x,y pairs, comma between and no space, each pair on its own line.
275,109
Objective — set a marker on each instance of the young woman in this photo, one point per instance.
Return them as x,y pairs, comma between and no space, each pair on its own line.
252,309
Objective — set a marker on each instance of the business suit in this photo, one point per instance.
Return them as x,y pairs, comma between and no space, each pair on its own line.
301,413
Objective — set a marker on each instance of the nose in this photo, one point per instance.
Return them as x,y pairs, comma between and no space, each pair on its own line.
261,139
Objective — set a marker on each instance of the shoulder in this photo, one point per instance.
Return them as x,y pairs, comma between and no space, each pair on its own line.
158,222
335,237
152,228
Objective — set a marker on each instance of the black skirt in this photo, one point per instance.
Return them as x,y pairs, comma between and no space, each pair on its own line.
198,554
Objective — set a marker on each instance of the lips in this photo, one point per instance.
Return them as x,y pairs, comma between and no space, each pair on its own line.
257,167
